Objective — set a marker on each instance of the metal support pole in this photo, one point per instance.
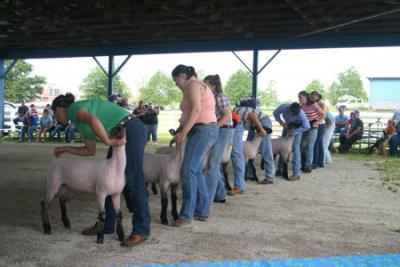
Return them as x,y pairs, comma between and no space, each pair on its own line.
2,79
110,75
255,72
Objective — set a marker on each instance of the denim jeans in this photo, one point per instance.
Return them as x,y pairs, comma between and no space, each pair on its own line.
394,143
135,143
195,199
310,136
326,140
318,157
151,129
30,132
266,152
215,180
237,157
296,154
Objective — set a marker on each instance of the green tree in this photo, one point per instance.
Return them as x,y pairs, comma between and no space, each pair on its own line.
238,85
349,84
316,85
269,96
20,84
95,84
160,90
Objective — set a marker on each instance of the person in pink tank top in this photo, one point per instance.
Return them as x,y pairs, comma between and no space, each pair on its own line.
198,126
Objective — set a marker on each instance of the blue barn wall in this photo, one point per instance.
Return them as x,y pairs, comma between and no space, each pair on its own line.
384,93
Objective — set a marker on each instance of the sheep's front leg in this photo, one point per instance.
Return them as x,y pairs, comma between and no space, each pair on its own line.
154,188
116,204
174,210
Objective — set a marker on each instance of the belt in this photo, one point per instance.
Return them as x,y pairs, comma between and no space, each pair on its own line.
203,124
226,126
126,119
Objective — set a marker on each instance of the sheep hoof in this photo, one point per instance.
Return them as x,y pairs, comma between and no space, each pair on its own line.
164,221
66,223
46,228
100,237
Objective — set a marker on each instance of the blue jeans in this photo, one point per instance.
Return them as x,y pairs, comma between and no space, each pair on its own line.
326,140
30,132
296,154
151,129
237,157
195,197
215,179
309,137
69,133
394,143
135,143
57,130
266,152
319,152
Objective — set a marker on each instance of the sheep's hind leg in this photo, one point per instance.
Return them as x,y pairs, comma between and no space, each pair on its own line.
164,204
224,167
116,204
52,190
64,198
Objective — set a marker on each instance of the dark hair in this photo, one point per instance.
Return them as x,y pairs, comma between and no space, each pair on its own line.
214,80
317,94
188,70
295,108
63,101
309,100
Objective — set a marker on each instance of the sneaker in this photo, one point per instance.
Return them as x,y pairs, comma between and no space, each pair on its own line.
293,178
133,240
181,223
235,191
265,181
92,231
201,218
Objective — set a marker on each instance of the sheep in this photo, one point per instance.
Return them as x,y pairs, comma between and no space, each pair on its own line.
104,177
250,150
283,147
165,169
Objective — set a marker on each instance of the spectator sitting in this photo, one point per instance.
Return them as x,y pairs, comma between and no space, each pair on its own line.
30,126
387,134
57,131
34,112
21,113
46,123
394,141
69,133
341,121
353,134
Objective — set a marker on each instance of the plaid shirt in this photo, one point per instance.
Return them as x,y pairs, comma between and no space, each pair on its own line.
221,102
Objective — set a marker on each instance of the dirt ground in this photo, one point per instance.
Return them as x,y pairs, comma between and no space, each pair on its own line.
339,210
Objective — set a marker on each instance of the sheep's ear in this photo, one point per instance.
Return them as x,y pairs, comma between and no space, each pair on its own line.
117,132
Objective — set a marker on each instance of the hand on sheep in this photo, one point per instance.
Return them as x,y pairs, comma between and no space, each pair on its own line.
178,139
117,142
58,151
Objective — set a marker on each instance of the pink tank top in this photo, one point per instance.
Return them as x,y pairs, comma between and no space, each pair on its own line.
207,112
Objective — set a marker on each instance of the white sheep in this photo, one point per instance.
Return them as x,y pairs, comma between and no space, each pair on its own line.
104,177
283,147
165,169
250,150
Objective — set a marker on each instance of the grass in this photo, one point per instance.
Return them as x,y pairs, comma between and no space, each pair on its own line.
386,165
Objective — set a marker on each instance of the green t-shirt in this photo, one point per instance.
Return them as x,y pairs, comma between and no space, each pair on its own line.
108,114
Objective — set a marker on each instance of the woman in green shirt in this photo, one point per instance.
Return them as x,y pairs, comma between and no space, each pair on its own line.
95,119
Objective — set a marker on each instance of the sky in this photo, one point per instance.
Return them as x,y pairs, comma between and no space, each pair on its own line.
291,70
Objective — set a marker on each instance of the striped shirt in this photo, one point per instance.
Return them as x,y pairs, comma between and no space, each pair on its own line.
244,112
312,111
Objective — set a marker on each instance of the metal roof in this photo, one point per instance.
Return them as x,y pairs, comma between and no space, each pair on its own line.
48,28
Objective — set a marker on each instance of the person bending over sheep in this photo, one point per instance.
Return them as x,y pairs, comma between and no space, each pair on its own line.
95,119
